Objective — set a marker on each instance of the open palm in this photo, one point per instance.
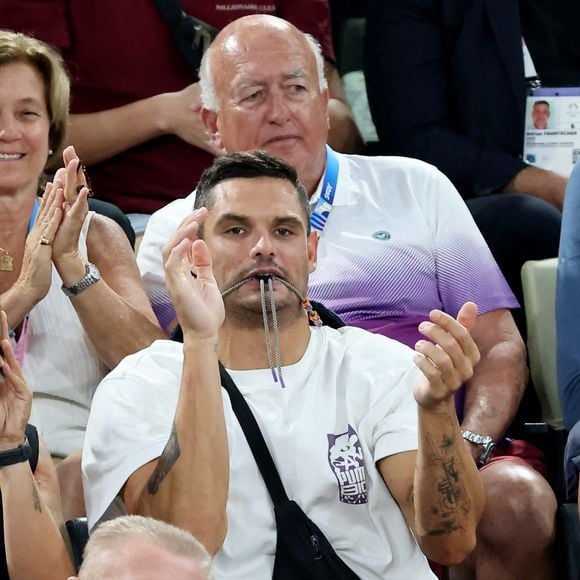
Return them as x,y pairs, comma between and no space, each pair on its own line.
193,290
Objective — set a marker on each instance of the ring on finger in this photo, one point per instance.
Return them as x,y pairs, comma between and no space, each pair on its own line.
44,241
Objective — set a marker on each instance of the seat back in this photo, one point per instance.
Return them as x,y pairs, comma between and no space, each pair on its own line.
539,284
78,532
568,541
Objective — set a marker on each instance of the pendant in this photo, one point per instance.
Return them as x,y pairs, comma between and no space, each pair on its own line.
6,263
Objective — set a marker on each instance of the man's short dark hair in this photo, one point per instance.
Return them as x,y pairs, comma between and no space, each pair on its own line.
541,103
248,165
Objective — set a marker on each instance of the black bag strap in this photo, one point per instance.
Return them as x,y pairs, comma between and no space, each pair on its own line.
292,556
255,439
193,36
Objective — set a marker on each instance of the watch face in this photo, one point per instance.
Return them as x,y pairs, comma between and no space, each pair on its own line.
94,272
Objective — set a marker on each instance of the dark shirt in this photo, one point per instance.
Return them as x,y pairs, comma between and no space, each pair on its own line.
445,80
550,28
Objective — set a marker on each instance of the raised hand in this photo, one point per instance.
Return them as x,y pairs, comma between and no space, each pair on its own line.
72,193
15,396
191,284
36,272
188,228
448,359
181,112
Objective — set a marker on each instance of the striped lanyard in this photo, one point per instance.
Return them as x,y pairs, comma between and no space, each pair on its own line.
321,211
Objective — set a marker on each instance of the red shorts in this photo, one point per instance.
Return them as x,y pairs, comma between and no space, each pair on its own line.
520,452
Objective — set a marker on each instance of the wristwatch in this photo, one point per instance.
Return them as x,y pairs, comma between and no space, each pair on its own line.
484,440
91,276
18,455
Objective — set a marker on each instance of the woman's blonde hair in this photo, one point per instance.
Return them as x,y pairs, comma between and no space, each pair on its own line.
16,47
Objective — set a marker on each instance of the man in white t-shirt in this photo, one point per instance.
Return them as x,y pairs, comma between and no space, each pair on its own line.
384,475
398,242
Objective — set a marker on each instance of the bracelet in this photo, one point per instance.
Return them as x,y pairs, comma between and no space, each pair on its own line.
18,455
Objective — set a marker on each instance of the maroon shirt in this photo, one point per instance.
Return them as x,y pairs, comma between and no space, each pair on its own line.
121,51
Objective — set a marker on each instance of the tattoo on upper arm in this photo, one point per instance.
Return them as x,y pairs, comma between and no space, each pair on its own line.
454,501
411,495
167,460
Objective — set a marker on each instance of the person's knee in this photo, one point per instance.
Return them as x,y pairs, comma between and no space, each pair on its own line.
520,506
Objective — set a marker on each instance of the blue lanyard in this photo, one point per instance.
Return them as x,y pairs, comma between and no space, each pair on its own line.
21,344
33,215
320,213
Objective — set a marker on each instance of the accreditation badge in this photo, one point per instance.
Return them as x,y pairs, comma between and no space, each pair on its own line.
552,130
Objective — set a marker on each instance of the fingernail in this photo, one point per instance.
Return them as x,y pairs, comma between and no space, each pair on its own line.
424,326
86,174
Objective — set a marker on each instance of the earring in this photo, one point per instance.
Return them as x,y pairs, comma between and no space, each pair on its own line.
50,152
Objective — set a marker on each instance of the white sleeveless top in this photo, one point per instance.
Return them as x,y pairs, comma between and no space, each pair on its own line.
61,366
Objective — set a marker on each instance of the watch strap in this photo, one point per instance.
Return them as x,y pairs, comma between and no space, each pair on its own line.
485,441
476,438
92,275
17,455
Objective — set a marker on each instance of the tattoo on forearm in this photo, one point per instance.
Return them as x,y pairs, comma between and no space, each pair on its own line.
167,460
454,501
36,497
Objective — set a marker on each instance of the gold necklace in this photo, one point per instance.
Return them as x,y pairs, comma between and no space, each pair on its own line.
6,261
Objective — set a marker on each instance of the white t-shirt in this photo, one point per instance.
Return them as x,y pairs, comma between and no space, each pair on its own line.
347,404
399,242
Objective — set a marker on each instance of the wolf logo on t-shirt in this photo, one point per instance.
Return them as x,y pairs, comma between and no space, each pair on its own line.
346,460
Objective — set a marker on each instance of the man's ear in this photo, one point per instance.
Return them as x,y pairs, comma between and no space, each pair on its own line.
326,98
312,246
210,122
